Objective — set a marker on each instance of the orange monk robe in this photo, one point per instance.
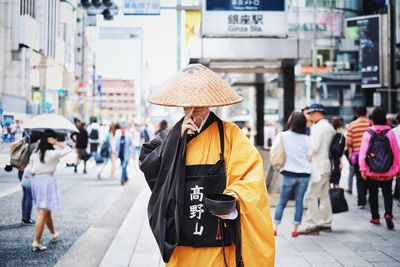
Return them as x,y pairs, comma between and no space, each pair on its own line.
245,177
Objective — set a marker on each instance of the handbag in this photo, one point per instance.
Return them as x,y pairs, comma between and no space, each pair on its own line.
338,201
99,158
277,152
26,181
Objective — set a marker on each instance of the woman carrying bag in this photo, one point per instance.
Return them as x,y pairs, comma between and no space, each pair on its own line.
296,169
45,193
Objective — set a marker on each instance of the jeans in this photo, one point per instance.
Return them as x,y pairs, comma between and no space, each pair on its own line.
299,185
373,187
124,165
26,203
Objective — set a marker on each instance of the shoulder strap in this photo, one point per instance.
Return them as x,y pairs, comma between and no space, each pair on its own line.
221,137
371,132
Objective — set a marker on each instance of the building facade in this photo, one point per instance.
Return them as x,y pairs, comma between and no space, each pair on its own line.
37,56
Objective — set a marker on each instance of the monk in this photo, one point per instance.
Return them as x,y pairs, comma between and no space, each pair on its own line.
181,169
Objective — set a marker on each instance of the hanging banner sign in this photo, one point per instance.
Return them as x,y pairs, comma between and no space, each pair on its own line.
141,7
367,31
244,18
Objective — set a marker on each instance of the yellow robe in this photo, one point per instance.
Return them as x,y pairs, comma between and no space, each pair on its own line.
245,177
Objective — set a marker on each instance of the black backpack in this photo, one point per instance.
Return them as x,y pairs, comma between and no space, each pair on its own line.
379,154
94,134
337,146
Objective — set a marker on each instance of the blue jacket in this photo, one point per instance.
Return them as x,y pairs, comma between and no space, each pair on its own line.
129,148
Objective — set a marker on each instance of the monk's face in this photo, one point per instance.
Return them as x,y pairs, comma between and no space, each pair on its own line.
197,112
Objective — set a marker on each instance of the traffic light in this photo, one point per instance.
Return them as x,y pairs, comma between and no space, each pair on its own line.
107,14
107,8
85,3
107,3
96,3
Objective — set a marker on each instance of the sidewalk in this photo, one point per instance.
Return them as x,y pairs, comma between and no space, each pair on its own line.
134,245
353,242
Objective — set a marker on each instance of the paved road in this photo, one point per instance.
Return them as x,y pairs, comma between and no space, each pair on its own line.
86,201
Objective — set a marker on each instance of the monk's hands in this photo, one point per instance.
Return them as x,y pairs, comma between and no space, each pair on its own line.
188,123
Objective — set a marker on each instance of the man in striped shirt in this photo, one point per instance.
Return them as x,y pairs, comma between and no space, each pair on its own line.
354,136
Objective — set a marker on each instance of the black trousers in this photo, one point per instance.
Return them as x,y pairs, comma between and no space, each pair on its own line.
396,193
373,188
362,187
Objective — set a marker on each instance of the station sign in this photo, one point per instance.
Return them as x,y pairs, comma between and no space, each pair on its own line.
141,7
244,18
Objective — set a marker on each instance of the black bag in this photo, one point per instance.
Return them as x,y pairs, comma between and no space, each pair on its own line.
94,134
336,148
269,142
338,201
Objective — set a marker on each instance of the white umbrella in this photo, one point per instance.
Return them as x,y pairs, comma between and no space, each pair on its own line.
50,121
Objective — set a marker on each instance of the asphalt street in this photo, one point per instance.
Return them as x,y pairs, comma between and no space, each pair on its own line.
85,201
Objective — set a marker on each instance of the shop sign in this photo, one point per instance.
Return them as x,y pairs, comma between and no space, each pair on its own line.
310,23
244,18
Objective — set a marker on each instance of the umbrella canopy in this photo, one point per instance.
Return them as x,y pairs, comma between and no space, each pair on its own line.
195,86
50,121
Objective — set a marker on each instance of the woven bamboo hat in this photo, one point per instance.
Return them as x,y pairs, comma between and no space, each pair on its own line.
195,86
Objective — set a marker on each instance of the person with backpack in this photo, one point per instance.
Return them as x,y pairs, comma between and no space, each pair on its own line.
336,150
379,162
355,132
81,142
94,136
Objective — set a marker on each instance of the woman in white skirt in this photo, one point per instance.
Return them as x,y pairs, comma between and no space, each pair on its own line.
45,193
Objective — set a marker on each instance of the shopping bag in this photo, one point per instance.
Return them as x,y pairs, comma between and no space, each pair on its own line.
338,201
26,181
277,152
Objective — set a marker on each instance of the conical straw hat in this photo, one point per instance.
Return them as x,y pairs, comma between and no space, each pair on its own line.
195,86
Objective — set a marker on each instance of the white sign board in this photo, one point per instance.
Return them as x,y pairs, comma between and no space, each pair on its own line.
244,18
141,7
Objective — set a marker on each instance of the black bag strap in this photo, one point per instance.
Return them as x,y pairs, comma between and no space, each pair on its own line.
221,138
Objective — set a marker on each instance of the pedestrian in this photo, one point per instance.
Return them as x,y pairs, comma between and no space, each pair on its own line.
124,150
113,133
379,161
81,143
45,193
336,150
296,171
202,155
269,135
354,136
144,134
309,123
26,203
162,126
105,153
396,194
137,140
319,211
93,131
